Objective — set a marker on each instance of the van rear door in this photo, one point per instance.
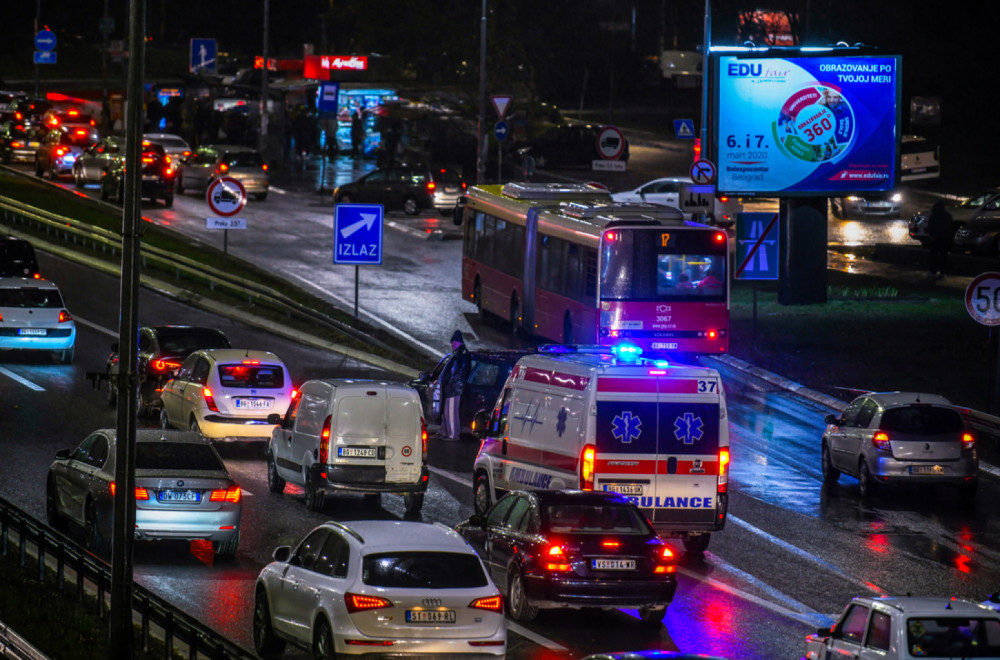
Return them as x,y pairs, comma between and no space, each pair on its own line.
404,446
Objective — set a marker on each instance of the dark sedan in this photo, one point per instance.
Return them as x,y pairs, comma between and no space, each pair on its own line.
555,548
19,141
406,187
158,176
566,146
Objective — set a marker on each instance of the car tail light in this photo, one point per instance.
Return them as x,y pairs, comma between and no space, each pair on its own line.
360,603
65,316
185,153
968,441
231,494
53,121
60,151
140,492
223,168
16,144
294,394
719,237
664,561
431,186
209,399
324,440
723,470
611,545
18,116
148,159
264,167
168,172
881,441
555,559
490,604
423,439
164,365
724,199
80,132
587,457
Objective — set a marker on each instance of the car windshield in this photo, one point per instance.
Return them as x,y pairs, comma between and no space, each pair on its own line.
176,456
922,420
245,159
953,637
172,143
423,570
978,200
594,519
186,342
30,297
263,376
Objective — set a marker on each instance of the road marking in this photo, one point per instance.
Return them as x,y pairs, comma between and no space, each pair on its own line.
535,637
24,381
451,476
280,191
99,328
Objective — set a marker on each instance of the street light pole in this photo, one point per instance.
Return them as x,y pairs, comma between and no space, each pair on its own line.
481,126
38,24
263,85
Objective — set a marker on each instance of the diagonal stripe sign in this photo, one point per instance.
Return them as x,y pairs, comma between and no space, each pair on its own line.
759,237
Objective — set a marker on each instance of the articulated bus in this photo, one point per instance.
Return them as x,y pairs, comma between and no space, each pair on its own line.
564,262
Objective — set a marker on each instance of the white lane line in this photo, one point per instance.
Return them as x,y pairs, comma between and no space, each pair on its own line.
24,381
535,637
99,328
451,476
280,191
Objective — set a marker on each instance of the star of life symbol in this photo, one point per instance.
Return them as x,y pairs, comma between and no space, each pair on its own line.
688,428
626,427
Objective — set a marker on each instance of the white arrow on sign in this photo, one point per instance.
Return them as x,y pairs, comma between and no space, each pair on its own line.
366,221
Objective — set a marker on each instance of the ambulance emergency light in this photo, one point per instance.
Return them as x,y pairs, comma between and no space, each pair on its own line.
805,122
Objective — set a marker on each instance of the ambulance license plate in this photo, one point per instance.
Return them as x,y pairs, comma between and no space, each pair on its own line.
624,489
430,616
926,469
356,452
613,564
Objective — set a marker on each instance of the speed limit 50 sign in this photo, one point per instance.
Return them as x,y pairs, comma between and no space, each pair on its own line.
982,299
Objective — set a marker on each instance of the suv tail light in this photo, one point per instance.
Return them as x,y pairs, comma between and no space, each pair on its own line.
968,441
490,604
881,441
65,316
231,494
209,399
723,470
587,457
324,441
360,603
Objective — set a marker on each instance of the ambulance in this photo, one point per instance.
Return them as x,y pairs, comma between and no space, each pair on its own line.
606,419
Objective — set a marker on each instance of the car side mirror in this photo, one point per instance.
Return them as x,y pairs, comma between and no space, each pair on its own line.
274,418
479,423
832,419
282,553
477,520
63,453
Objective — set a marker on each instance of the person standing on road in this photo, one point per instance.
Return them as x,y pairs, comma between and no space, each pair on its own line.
452,385
357,132
939,227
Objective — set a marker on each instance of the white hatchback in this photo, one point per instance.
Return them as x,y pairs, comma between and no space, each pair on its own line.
227,394
34,317
667,192
391,587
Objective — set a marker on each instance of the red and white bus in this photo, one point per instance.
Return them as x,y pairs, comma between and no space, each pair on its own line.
564,262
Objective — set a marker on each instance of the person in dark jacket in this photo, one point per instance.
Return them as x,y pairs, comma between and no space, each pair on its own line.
939,228
452,385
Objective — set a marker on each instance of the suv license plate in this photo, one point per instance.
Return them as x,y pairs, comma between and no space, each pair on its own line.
356,452
430,616
613,564
926,469
179,496
624,489
255,404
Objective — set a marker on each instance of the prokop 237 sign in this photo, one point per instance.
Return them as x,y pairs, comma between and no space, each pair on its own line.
807,125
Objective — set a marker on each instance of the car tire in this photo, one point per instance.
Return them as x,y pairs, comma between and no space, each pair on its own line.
482,498
226,548
77,178
275,483
168,201
410,206
52,514
39,170
267,645
66,355
315,497
164,419
322,646
517,598
652,615
104,192
111,396
830,473
696,544
866,482
260,197
194,426
95,541
413,502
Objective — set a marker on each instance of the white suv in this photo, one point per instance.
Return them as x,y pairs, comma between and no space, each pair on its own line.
390,587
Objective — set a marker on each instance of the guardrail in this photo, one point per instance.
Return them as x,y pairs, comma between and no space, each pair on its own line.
54,556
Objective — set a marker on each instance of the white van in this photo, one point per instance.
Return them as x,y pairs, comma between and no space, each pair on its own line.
350,435
595,419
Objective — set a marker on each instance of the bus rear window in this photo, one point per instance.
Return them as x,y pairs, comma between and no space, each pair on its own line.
633,268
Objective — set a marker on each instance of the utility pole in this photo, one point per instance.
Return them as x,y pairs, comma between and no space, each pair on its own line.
263,85
481,126
38,26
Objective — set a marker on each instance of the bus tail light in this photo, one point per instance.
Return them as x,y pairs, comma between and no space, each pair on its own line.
968,441
209,399
881,441
712,334
587,457
324,440
723,470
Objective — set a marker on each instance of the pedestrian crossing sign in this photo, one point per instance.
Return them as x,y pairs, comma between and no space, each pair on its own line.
684,128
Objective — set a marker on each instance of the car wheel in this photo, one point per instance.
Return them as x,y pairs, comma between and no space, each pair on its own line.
866,482
275,483
179,186
77,178
410,206
482,498
226,548
696,544
66,356
830,473
652,615
517,597
265,642
315,497
52,505
164,420
168,201
104,191
53,173
194,426
323,642
413,502
836,210
39,170
95,541
260,197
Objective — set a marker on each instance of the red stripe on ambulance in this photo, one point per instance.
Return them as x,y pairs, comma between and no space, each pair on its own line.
648,385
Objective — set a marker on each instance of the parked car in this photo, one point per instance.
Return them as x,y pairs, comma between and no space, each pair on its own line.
901,628
487,375
919,159
157,182
557,549
981,209
666,191
97,159
17,258
161,351
19,141
60,147
175,146
182,490
34,317
868,205
31,109
565,146
227,394
208,163
401,588
406,187
896,438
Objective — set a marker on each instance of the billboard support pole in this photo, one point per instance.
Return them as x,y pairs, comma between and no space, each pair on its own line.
706,47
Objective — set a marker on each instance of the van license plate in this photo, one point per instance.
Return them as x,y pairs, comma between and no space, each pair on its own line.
613,564
31,332
179,496
253,404
926,469
624,489
430,616
356,452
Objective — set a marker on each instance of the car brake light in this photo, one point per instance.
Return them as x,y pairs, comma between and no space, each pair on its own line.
164,365
264,167
294,394
724,199
612,545
360,603
16,144
166,159
223,167
18,116
968,441
209,399
231,494
324,441
249,361
168,172
80,132
490,604
723,470
431,186
148,159
587,467
140,492
60,151
881,441
555,558
53,121
64,316
185,154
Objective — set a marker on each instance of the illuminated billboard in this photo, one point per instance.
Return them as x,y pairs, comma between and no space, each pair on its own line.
806,125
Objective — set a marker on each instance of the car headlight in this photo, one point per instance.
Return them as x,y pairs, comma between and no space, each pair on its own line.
898,197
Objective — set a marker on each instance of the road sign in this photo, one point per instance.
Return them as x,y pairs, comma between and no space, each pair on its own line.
501,130
226,223
329,95
982,299
696,198
703,171
203,56
500,103
106,24
684,128
756,246
45,57
610,142
45,40
608,165
357,234
226,196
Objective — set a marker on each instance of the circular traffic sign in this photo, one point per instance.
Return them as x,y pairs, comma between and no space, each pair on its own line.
610,142
226,196
982,299
45,40
501,130
703,171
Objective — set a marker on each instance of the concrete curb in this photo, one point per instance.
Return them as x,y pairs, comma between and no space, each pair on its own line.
782,382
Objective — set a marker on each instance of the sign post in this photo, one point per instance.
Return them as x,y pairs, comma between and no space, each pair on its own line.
357,239
982,300
757,249
226,197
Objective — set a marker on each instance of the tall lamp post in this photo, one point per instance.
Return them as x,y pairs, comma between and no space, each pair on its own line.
263,85
481,126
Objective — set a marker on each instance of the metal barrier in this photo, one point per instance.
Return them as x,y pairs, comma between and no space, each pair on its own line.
54,554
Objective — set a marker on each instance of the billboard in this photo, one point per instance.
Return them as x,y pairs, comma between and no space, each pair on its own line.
806,124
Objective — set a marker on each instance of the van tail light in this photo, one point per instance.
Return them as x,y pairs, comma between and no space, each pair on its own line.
587,457
294,394
968,441
723,470
360,603
554,558
490,604
423,441
209,399
231,494
881,441
140,492
65,316
324,441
